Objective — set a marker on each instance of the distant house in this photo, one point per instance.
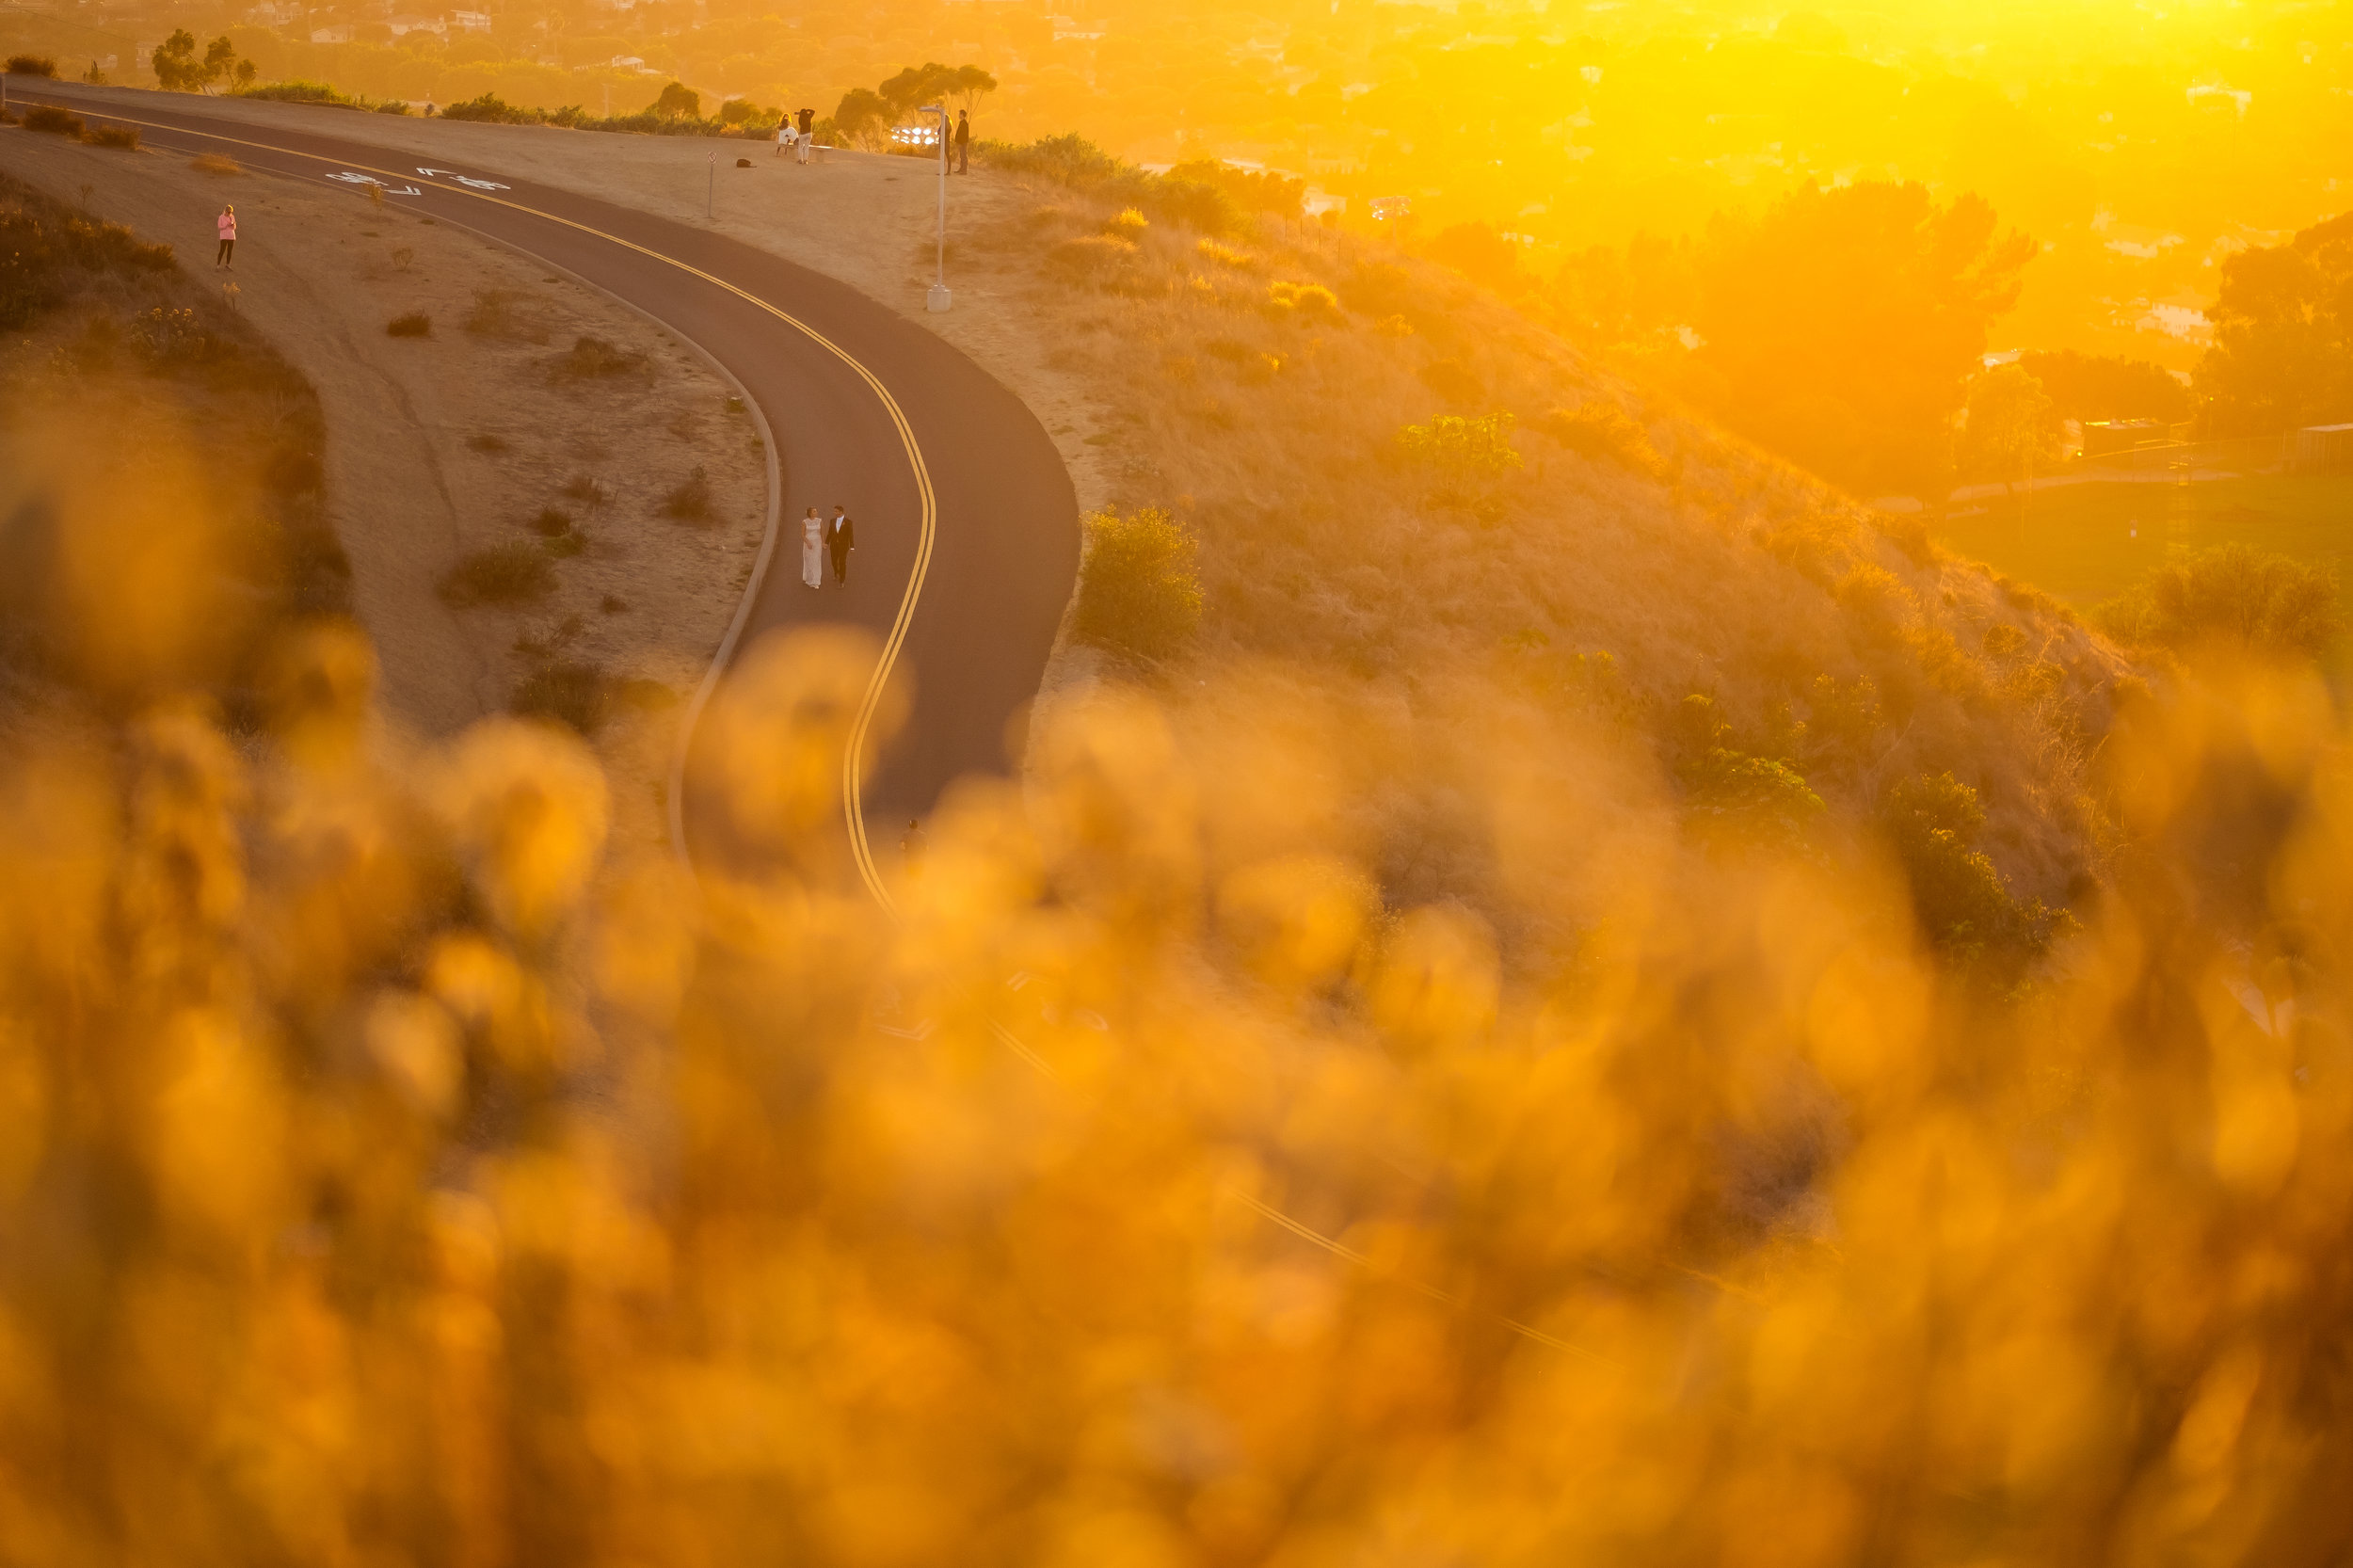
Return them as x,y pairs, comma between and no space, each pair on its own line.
2323,449
471,22
2102,437
403,25
339,33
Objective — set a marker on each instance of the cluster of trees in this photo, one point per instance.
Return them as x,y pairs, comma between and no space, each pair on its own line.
868,116
1842,327
180,69
1845,329
2283,352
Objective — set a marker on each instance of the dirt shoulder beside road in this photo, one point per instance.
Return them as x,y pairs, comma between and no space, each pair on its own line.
445,451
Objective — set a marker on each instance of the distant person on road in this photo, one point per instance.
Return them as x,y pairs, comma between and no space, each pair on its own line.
813,550
964,141
786,134
840,538
227,224
807,124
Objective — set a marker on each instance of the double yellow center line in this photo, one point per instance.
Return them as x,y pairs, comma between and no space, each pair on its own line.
861,728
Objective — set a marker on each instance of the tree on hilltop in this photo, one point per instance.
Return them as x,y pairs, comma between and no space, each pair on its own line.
915,86
2009,427
2283,352
969,86
679,101
863,118
1842,327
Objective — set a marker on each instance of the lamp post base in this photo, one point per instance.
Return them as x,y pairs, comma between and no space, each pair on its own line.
938,299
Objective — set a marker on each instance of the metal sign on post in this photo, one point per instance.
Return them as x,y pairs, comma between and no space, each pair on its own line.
939,297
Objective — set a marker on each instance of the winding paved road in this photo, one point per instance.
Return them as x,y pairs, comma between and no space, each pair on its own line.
964,585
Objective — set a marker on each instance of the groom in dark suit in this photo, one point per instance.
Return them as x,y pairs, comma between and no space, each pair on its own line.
841,538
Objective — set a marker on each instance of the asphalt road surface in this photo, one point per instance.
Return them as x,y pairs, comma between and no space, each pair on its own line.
1003,547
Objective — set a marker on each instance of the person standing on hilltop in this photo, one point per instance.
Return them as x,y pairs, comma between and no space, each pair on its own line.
227,224
964,141
809,122
840,538
786,136
813,549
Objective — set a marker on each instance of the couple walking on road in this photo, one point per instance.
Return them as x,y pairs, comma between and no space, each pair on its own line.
819,537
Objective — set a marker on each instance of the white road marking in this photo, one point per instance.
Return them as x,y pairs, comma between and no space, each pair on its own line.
348,178
462,179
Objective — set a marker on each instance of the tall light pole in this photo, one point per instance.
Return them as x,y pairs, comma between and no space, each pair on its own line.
938,300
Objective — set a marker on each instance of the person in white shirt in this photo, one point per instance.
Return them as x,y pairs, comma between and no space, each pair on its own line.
786,136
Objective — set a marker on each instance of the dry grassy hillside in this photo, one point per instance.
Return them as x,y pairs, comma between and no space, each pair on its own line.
161,511
1257,385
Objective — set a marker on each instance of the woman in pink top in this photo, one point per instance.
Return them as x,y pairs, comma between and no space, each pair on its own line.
227,227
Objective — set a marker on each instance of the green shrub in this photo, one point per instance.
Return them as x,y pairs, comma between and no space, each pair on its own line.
123,136
32,65
2236,595
299,93
391,105
551,522
169,336
570,692
504,574
1310,303
1960,897
1126,224
691,502
416,324
1762,796
1461,448
1252,190
1140,589
1189,193
57,121
492,109
1604,433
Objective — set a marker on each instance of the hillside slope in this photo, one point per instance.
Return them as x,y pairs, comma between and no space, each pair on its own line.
1257,384
1254,381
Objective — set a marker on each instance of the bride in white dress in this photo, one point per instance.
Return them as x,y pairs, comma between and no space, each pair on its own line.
813,549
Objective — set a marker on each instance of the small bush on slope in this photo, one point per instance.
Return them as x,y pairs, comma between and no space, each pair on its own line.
1963,903
1139,590
1602,431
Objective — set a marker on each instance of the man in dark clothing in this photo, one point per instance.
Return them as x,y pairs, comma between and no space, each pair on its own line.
964,141
806,118
841,538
